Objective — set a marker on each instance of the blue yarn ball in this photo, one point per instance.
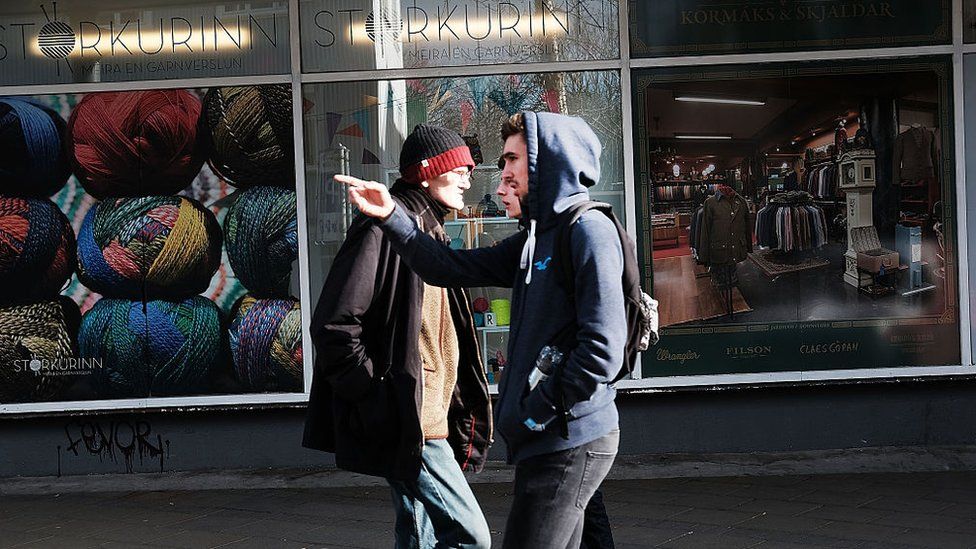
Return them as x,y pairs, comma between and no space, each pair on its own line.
167,349
34,161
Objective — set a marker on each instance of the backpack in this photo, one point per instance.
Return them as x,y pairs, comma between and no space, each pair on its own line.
641,309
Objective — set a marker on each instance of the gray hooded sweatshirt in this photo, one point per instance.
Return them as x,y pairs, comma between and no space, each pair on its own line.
564,160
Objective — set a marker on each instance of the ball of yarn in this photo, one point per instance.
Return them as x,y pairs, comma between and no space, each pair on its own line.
33,157
164,348
137,143
261,236
266,344
37,341
37,249
480,305
251,138
158,247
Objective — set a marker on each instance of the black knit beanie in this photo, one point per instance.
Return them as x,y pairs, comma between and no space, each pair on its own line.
430,151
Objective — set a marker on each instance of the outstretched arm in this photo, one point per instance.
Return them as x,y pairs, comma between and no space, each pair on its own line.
435,263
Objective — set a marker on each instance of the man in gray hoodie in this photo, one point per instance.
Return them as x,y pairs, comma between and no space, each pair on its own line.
548,163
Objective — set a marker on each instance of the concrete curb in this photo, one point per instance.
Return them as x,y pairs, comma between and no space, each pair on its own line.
819,462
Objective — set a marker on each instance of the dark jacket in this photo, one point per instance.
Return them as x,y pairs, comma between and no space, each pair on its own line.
725,235
564,159
915,156
366,393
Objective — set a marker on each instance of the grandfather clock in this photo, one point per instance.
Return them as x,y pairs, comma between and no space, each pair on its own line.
857,180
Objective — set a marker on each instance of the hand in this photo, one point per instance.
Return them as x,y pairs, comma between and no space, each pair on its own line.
372,198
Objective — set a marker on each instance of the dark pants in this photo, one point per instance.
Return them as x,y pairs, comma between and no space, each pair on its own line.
596,525
552,491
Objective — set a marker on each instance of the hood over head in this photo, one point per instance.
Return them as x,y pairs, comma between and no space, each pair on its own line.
564,160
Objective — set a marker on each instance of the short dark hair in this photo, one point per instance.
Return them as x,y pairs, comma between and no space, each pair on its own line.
514,125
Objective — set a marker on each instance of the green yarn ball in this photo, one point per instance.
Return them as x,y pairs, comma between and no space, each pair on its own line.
261,236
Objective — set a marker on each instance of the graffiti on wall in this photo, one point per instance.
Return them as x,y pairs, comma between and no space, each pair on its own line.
119,441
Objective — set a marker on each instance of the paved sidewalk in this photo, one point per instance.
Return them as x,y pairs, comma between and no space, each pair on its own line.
864,511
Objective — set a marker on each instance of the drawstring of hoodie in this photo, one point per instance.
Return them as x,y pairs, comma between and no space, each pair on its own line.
528,252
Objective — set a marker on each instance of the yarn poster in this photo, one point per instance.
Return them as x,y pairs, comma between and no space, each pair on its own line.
148,244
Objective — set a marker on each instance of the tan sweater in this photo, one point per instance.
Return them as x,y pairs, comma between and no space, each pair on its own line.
439,355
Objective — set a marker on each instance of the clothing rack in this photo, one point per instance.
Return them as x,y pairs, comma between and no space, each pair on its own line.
791,222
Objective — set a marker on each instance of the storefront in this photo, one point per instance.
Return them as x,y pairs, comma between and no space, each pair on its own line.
793,173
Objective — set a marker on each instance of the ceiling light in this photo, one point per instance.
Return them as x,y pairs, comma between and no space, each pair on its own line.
708,137
719,99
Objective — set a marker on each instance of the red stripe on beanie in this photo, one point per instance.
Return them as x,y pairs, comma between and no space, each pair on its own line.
432,167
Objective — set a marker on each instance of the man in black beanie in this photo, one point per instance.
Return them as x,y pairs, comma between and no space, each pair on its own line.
398,389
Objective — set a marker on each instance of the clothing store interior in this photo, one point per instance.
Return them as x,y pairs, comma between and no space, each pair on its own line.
797,198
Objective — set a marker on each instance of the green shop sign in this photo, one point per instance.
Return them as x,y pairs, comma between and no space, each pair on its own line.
708,27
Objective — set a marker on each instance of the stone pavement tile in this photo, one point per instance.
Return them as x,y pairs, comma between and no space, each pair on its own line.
60,542
905,491
286,529
224,519
265,543
783,538
133,533
761,491
648,496
887,544
12,539
891,503
80,528
925,521
192,539
639,512
705,501
713,541
931,538
646,536
846,514
712,486
358,534
716,517
839,483
366,511
35,521
962,510
955,495
248,502
860,531
779,523
778,507
850,499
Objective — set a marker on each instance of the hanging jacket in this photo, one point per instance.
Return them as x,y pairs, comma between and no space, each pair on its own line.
725,235
564,160
915,156
366,395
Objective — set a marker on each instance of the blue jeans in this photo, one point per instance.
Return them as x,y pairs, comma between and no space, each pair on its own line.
438,509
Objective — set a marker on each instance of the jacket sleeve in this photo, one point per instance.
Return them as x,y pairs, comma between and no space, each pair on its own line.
440,265
705,235
337,322
600,317
896,155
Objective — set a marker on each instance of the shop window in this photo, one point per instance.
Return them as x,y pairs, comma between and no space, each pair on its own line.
401,34
969,66
705,27
358,129
798,217
73,41
165,266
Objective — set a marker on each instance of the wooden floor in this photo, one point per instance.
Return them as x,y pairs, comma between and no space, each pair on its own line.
683,297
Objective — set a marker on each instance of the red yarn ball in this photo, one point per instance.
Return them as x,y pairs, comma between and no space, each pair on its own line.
137,143
480,305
